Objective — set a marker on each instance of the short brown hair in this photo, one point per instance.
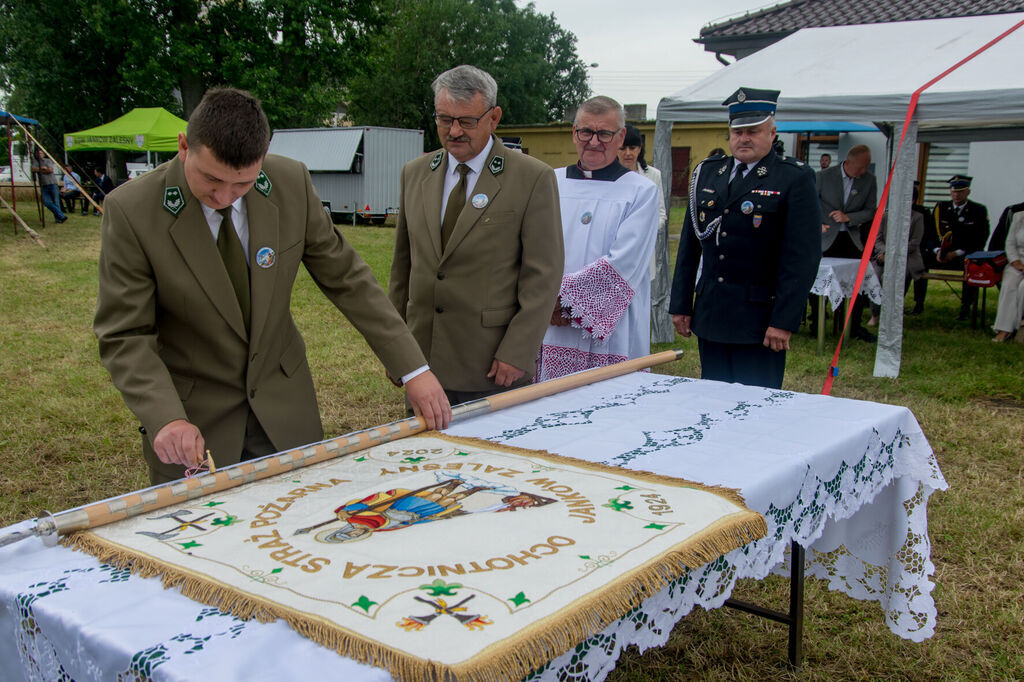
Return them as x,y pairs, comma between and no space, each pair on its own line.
232,125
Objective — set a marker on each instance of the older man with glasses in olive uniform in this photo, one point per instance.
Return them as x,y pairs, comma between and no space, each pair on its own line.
609,223
753,221
478,246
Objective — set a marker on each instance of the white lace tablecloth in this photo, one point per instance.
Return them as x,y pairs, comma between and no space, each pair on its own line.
836,277
848,479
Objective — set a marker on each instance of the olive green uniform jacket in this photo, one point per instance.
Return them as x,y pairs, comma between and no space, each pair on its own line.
170,329
490,293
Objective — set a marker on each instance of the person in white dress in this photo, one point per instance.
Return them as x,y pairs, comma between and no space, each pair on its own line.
1011,293
609,224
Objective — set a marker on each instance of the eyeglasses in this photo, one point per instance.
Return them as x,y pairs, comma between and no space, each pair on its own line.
586,134
465,122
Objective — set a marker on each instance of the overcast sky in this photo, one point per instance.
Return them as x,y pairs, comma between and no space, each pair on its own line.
644,49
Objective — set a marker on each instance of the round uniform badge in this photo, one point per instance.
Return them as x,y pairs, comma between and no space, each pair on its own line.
265,257
961,218
586,218
747,207
480,200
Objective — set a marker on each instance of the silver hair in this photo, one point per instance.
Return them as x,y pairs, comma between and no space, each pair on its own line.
601,105
465,81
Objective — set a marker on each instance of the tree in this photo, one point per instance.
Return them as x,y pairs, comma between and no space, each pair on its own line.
78,63
531,57
61,63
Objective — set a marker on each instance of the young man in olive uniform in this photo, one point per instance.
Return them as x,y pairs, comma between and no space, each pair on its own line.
196,269
754,217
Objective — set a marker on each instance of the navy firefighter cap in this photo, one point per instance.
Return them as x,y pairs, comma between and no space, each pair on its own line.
751,107
960,182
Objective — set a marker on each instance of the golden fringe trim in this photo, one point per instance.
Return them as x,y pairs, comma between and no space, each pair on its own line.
510,659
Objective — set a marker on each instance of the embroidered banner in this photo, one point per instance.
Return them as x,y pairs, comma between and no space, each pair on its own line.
436,556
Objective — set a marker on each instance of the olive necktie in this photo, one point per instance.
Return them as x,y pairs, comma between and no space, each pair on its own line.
230,248
456,202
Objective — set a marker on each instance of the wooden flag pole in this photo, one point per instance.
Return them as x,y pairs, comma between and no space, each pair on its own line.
31,233
48,526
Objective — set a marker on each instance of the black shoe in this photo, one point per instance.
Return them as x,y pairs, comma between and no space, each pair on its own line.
863,335
918,309
964,316
61,220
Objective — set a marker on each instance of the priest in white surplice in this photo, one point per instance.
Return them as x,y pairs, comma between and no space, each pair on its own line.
609,224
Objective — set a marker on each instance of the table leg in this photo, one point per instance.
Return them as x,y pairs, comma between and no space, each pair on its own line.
983,292
795,617
821,324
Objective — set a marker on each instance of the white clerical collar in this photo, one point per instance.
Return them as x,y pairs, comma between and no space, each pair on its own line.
476,164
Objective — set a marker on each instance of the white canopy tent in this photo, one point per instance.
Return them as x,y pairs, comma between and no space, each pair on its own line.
868,72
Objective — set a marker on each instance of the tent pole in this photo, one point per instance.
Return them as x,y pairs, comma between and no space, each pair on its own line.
10,157
661,286
898,218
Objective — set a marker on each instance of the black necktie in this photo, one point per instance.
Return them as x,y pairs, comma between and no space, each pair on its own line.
456,202
231,252
738,177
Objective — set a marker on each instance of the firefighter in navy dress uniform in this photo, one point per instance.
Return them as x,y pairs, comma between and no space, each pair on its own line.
961,227
755,219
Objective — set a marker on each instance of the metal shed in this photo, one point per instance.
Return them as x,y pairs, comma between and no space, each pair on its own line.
354,170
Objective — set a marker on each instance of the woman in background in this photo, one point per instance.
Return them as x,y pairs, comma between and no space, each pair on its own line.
631,155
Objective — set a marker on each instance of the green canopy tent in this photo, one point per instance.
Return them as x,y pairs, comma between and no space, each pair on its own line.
149,129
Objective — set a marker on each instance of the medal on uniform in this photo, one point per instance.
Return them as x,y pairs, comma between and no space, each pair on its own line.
961,218
586,218
265,257
702,216
480,200
757,220
761,171
711,203
747,207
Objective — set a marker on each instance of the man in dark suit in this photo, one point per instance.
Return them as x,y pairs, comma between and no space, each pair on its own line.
196,269
961,227
104,186
997,242
754,218
848,200
478,246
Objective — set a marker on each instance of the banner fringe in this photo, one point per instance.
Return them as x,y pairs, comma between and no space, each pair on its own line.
531,648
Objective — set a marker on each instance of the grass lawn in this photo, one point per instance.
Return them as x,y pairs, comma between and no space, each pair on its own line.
67,439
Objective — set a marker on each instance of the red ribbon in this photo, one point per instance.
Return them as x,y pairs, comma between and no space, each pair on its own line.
869,245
